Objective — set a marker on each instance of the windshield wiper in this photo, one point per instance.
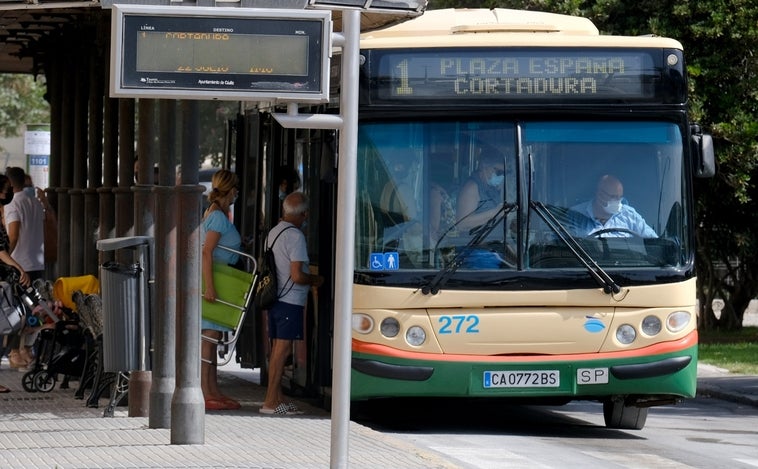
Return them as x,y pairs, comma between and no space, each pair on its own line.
479,233
601,276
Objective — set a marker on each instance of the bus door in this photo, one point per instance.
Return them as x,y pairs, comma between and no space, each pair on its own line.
288,160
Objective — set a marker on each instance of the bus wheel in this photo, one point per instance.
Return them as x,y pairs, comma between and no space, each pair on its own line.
618,415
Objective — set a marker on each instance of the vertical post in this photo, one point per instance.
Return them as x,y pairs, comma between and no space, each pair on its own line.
66,109
164,364
96,156
188,405
343,278
144,225
123,192
107,210
79,164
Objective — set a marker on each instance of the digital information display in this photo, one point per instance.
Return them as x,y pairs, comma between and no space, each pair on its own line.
518,74
220,53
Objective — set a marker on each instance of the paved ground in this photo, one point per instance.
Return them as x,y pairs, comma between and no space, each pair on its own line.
54,430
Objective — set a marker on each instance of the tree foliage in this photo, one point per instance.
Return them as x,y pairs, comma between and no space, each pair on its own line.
720,38
22,102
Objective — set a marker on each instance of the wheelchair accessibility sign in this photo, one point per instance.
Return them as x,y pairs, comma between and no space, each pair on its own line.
384,261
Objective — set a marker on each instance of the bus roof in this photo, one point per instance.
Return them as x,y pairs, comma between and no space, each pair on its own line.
462,27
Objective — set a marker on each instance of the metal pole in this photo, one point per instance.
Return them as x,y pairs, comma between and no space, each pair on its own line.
66,167
144,225
79,167
188,405
164,363
343,278
123,192
347,123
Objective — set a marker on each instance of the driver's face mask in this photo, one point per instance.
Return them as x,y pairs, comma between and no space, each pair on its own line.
613,206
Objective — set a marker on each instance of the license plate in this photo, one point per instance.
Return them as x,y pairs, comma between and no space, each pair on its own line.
522,379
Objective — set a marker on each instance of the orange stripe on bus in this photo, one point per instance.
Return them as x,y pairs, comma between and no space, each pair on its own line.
659,349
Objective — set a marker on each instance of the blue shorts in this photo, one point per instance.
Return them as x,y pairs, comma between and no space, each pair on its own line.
285,321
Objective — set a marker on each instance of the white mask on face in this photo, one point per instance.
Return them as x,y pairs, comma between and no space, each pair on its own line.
612,207
495,180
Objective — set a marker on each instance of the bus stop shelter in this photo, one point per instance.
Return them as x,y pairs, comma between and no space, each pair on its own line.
92,178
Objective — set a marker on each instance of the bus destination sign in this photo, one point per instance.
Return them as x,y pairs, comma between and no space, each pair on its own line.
518,74
220,53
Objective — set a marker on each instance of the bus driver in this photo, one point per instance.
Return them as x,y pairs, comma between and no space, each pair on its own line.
606,211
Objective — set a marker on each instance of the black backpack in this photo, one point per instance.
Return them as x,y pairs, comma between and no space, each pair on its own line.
267,290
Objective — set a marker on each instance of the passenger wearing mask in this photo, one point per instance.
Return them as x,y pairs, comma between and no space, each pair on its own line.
480,200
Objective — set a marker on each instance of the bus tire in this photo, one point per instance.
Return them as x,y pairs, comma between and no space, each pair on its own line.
618,415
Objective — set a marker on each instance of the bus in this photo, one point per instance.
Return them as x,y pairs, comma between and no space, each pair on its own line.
524,227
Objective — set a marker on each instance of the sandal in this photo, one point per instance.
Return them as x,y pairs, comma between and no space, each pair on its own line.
4,389
293,408
213,403
281,409
232,403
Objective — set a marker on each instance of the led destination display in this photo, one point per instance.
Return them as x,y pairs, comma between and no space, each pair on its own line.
518,74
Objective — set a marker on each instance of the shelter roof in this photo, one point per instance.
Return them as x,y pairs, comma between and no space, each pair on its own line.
28,26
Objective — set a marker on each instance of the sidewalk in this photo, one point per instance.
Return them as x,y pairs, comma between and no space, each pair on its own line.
54,430
720,384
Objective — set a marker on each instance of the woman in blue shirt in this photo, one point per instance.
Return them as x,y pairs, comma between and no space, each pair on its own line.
218,231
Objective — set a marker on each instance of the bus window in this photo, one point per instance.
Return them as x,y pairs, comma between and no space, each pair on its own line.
425,196
615,187
389,181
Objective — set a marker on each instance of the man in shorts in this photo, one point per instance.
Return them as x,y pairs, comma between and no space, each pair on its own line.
294,280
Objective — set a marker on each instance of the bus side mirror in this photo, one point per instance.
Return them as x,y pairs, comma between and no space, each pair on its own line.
702,152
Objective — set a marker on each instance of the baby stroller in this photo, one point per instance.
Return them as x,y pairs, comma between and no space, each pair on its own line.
59,347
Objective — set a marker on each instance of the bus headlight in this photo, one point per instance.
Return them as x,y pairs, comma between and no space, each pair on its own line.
389,327
678,320
415,336
626,334
651,325
362,323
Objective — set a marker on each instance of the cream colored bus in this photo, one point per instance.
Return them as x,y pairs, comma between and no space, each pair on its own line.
525,214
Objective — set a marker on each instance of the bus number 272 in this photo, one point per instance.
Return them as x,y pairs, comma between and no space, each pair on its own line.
459,324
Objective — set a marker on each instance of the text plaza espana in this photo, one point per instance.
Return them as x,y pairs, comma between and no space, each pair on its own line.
529,75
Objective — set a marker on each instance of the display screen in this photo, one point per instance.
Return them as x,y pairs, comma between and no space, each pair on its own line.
222,53
522,74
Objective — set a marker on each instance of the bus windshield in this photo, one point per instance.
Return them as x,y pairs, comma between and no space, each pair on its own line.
522,195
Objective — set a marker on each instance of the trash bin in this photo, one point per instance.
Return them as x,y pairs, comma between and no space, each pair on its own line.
125,292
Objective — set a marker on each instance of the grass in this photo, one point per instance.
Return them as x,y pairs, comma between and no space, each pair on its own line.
736,351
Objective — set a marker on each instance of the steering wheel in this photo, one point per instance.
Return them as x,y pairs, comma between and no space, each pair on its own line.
597,234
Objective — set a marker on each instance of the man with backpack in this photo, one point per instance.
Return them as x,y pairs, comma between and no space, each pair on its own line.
294,280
